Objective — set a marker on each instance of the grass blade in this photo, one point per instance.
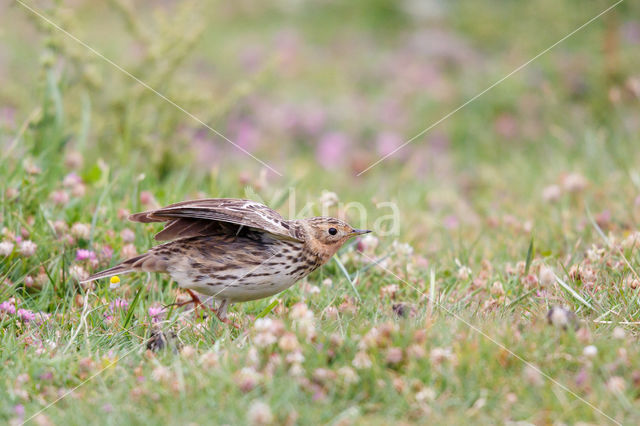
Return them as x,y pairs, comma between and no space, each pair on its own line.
574,293
432,289
266,311
133,305
346,274
530,254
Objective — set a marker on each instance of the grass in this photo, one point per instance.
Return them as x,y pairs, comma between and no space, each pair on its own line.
526,199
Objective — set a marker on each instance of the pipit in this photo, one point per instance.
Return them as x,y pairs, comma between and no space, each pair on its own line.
234,250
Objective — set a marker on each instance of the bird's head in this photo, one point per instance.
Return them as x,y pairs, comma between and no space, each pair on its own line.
326,234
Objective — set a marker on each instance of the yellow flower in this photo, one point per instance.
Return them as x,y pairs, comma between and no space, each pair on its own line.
115,282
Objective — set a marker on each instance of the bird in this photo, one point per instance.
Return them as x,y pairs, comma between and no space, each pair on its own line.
234,250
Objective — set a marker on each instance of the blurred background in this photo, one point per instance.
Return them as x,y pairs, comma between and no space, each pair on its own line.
320,90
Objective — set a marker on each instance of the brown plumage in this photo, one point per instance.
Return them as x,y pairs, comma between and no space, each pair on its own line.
234,250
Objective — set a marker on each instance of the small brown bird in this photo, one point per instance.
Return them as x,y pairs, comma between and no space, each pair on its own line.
234,250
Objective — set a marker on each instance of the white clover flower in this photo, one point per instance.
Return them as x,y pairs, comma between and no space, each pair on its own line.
289,342
28,248
402,249
161,374
295,357
6,248
362,361
439,355
263,324
259,414
78,272
328,199
551,193
348,375
546,276
81,231
464,272
616,384
590,351
574,182
264,339
368,244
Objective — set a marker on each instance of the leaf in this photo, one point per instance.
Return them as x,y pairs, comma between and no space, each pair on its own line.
530,254
266,311
346,274
92,175
127,318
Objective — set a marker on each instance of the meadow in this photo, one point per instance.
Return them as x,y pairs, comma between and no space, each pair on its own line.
493,147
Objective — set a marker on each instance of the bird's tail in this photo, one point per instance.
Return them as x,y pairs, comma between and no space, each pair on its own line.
130,265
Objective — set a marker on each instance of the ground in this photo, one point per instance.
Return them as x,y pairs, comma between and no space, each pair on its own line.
501,281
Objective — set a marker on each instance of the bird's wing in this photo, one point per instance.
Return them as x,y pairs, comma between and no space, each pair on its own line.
213,215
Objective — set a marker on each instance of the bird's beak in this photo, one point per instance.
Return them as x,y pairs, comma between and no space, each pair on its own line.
358,232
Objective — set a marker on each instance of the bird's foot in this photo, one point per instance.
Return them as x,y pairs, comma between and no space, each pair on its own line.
194,299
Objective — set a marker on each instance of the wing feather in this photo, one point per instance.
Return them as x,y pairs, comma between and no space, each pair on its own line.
205,216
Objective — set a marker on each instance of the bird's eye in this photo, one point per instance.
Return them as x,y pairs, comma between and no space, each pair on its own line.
333,231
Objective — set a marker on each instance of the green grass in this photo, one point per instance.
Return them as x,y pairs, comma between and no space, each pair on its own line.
450,332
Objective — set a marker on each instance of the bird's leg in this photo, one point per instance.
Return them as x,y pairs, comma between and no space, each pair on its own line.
221,313
194,299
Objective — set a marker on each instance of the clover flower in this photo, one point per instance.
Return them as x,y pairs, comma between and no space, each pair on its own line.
82,254
26,315
6,248
259,414
155,312
81,231
27,248
118,304
8,307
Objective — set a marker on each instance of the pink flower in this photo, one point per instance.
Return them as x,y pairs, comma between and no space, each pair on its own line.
73,160
26,315
451,222
82,254
106,253
387,142
129,250
71,180
331,150
127,235
19,410
245,134
60,197
118,304
506,126
8,307
155,312
147,198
